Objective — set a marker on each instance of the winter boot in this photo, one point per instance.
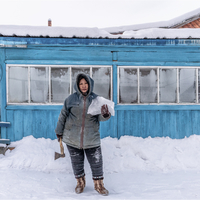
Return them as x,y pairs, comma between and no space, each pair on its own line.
80,185
99,187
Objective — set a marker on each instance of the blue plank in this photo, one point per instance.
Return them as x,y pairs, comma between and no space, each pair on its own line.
3,91
18,124
115,119
28,121
184,124
137,118
10,130
4,124
34,107
107,42
195,122
129,123
157,107
56,54
5,141
149,56
154,126
51,126
120,123
169,123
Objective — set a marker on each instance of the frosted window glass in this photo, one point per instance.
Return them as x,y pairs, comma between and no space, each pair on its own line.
75,72
168,86
187,85
18,85
102,81
128,86
148,86
60,83
39,81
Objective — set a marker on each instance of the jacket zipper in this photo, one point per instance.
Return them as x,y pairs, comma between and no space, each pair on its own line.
83,122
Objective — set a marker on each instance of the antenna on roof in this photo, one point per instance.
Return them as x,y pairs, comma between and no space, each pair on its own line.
49,22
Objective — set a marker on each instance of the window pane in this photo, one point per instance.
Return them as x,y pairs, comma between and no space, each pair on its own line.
148,86
75,72
168,85
102,81
60,83
18,85
187,85
128,85
39,81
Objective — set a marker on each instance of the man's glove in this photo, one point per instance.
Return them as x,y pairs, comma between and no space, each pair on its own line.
104,111
59,137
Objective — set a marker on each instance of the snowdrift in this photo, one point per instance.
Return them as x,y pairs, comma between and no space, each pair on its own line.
126,154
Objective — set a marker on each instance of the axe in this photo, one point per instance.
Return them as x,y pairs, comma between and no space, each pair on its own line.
60,155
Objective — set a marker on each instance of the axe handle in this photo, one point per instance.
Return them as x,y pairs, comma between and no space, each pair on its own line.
61,147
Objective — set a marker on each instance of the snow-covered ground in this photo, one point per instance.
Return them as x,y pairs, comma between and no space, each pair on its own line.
134,168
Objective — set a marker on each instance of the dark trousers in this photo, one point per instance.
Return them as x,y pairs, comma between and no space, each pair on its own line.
94,157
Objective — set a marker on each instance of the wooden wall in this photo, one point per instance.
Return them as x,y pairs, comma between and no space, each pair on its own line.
175,121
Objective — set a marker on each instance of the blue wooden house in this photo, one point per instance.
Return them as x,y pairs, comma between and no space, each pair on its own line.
153,77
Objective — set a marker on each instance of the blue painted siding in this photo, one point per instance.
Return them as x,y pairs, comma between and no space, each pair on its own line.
3,92
175,121
42,123
174,124
39,123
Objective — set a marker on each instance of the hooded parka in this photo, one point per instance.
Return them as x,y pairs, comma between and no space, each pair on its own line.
79,129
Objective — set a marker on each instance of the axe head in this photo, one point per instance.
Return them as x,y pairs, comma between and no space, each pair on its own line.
58,155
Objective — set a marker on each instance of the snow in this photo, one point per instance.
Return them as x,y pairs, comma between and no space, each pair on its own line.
81,32
162,33
134,168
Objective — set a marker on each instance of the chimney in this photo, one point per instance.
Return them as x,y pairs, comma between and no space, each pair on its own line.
49,22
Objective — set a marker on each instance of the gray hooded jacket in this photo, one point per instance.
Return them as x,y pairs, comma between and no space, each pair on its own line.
79,129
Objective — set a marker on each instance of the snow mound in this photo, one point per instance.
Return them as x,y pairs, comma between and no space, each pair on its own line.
126,154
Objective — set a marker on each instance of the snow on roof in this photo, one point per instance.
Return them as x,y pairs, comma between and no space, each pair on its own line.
154,33
70,32
161,24
138,31
46,31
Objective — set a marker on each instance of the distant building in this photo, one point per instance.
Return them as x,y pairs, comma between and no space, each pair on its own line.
188,20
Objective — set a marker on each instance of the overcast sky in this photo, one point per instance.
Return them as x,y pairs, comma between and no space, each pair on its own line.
92,13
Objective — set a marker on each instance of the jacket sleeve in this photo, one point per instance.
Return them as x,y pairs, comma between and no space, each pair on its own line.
101,118
64,113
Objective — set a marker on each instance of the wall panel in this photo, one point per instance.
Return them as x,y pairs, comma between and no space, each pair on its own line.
158,123
42,123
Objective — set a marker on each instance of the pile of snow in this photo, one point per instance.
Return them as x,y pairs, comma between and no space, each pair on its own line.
126,154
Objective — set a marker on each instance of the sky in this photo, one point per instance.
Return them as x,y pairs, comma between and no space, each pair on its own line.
92,13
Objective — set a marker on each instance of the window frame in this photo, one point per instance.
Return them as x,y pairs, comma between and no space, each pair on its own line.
49,82
158,84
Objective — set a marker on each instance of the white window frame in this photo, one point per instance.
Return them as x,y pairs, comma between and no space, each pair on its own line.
53,66
158,81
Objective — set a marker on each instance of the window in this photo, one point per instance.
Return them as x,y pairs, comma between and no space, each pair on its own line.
53,84
158,85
